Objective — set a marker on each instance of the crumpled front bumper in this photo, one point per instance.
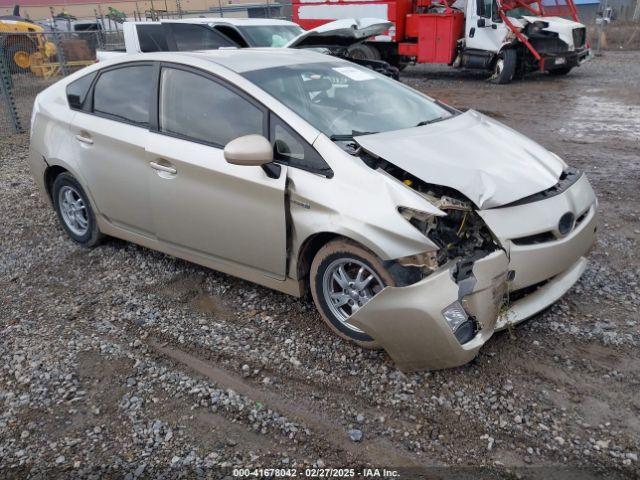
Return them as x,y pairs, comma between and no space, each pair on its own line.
408,322
555,61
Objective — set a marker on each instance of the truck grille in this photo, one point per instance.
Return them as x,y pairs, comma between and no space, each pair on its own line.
579,37
549,45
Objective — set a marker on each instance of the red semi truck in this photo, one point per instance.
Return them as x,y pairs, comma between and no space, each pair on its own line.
504,37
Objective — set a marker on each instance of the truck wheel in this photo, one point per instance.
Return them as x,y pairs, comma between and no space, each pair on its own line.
560,71
345,276
364,52
505,67
18,55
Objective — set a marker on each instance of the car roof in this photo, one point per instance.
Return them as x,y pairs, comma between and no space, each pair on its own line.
242,60
229,21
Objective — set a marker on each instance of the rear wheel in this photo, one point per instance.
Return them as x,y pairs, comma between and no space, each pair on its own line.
344,277
504,67
560,71
74,211
364,52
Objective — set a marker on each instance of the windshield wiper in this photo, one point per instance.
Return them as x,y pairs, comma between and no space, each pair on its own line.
427,122
343,137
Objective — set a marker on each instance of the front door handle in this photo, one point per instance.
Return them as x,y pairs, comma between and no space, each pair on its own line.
163,168
86,140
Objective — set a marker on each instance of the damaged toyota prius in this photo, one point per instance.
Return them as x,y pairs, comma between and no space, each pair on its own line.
415,227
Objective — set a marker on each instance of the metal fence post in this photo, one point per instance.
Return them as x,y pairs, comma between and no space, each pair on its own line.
6,90
58,43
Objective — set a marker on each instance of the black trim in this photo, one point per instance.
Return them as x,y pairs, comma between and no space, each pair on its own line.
275,119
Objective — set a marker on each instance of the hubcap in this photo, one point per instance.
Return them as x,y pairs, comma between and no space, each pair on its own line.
347,285
21,59
73,210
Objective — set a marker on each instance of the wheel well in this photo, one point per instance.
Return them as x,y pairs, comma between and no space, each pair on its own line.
307,252
50,175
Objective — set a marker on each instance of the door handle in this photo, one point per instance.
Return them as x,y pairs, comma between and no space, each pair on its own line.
86,140
163,168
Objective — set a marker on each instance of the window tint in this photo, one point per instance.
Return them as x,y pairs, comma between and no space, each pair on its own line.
196,107
289,148
125,94
77,90
152,38
198,37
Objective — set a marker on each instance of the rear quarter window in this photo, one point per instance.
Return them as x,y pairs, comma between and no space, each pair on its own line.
78,90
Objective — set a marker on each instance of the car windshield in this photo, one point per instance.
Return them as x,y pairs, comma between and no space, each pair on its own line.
343,100
270,35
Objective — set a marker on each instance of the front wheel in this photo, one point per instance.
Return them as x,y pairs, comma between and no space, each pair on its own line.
504,67
344,277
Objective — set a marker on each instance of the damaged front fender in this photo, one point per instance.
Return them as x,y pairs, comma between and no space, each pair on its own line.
408,322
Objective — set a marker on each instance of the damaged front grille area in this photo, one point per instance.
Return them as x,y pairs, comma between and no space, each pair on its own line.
459,234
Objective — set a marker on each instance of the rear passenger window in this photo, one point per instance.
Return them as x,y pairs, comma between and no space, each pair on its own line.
125,94
153,38
198,37
198,108
77,90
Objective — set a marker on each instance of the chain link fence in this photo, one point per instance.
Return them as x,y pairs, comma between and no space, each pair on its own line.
31,61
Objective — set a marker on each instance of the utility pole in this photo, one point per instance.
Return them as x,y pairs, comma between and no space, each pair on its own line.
636,14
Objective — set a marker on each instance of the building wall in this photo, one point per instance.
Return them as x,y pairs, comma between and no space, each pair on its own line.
39,9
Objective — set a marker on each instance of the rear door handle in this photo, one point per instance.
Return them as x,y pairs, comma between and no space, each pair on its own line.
162,168
86,140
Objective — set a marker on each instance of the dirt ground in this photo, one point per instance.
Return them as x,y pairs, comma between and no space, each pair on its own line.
123,362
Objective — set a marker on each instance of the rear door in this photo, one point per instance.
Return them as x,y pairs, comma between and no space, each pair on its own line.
110,134
202,205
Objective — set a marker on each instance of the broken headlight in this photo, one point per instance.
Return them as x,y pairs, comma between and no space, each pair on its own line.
459,233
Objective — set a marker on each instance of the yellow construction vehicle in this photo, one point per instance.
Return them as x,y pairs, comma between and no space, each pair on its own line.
22,41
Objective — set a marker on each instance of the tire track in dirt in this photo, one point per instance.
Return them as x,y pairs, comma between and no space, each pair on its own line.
376,451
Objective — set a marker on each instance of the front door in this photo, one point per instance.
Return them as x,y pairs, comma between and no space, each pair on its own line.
489,37
203,205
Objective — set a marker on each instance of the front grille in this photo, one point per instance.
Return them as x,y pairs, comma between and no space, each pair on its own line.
579,37
534,239
549,45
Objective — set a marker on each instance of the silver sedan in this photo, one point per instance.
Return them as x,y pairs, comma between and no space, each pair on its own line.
415,227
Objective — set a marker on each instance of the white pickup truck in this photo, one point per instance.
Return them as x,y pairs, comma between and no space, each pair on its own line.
213,33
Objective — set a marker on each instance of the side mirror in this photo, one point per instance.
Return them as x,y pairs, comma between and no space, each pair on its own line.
482,23
249,150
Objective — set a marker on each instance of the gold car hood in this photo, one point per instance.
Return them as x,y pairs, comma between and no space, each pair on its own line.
488,162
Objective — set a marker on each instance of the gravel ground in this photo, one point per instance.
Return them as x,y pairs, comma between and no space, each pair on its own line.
124,362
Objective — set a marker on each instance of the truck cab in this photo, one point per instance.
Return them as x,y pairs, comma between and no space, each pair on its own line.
506,38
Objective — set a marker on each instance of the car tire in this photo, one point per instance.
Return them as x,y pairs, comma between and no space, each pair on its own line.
504,68
74,211
352,258
362,51
560,71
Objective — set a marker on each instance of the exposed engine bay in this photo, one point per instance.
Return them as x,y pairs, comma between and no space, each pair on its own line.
459,234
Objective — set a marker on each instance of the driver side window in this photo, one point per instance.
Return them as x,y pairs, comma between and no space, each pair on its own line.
485,8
